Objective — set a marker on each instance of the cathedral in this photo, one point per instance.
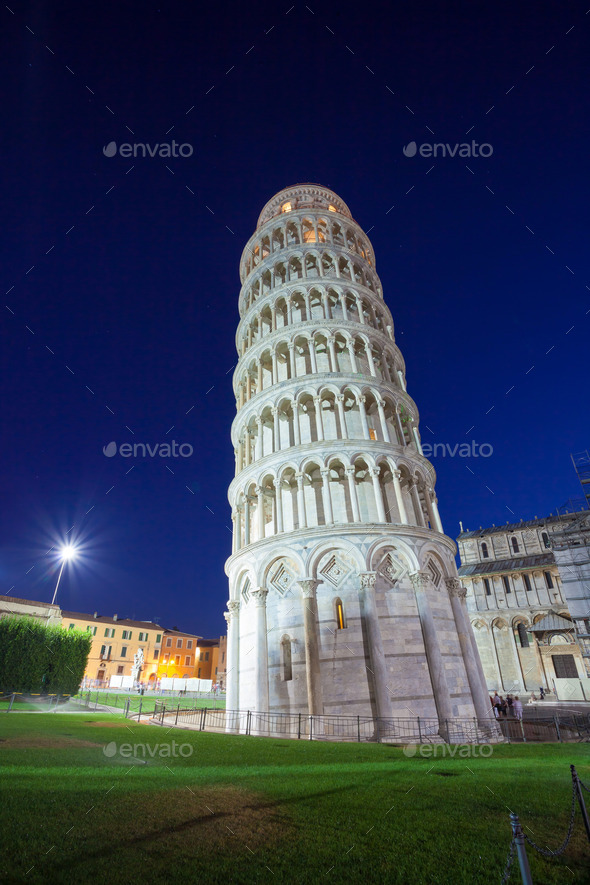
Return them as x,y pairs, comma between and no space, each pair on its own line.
344,593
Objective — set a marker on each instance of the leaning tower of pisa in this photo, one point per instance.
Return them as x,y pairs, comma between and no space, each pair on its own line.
344,596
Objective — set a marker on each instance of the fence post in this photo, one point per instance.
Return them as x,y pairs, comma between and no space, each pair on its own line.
556,721
578,789
177,712
12,697
298,726
311,728
127,709
203,718
476,731
248,722
358,728
419,731
139,711
523,860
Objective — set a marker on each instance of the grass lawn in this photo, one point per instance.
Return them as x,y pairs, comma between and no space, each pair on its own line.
248,809
114,699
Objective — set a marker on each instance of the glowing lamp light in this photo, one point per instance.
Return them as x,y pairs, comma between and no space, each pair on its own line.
67,553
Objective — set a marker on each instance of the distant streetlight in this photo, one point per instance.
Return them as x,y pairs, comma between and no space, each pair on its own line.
67,553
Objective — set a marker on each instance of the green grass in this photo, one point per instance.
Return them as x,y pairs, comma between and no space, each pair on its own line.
247,809
148,701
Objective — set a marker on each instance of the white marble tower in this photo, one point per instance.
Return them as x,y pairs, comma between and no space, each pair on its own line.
344,595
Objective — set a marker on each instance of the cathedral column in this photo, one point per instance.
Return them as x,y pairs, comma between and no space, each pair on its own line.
275,367
296,430
232,683
308,588
419,515
436,514
292,359
278,505
400,428
276,430
417,439
273,318
246,521
260,511
363,414
259,361
371,361
344,308
378,494
332,350
402,382
354,501
399,497
341,415
378,668
318,418
436,667
312,356
261,659
359,305
326,496
301,501
353,362
259,440
382,418
473,668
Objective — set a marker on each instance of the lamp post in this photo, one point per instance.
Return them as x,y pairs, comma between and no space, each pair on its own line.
67,552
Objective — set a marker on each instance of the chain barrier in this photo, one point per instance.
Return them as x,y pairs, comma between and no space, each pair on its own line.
546,852
583,785
508,866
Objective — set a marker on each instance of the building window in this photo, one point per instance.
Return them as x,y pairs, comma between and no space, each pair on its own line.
159,637
177,660
201,658
120,670
486,583
179,643
564,666
515,546
339,611
216,671
222,657
548,580
123,651
91,630
286,207
187,661
109,632
73,627
506,582
545,538
169,642
206,655
189,643
156,654
287,659
484,551
527,583
523,636
126,634
199,673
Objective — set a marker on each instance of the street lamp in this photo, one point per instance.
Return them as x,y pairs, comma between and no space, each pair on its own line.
67,553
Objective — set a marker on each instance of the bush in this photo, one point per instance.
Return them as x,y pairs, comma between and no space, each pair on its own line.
35,657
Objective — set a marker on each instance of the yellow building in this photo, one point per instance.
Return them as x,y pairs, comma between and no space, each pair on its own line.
179,654
211,661
115,645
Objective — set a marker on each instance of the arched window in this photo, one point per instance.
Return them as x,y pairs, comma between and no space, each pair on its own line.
339,611
527,583
286,659
548,580
545,538
484,550
523,636
515,546
488,589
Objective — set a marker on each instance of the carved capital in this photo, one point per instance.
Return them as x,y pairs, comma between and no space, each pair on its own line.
259,597
317,400
277,483
374,471
258,420
274,411
339,397
227,616
455,588
308,587
368,580
325,472
349,471
420,581
234,609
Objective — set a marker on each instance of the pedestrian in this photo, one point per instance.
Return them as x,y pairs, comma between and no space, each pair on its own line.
497,702
510,702
541,693
517,707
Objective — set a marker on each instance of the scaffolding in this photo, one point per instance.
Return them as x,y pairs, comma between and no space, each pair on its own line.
581,463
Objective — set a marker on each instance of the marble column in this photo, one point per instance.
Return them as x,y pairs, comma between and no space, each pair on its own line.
232,684
436,667
341,415
399,497
260,511
259,453
378,676
308,588
317,401
261,651
374,471
301,501
328,513
276,429
363,414
437,519
278,505
473,668
354,501
382,418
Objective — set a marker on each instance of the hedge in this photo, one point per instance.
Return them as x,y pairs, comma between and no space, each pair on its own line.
38,658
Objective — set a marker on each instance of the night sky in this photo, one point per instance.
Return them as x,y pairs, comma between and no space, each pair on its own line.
121,275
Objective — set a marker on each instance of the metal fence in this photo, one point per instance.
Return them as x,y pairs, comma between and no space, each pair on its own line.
415,730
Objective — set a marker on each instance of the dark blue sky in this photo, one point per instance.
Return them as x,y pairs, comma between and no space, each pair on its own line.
131,301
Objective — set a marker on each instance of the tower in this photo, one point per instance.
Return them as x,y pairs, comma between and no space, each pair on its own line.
344,595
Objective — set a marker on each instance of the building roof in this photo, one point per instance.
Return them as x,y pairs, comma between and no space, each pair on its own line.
516,526
112,619
29,602
552,622
518,564
180,633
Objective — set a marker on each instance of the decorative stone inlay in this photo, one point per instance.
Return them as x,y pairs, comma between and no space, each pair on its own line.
335,571
420,581
391,569
435,574
259,596
245,593
282,579
455,589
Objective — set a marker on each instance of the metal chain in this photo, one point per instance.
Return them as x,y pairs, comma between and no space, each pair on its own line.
508,867
546,852
583,785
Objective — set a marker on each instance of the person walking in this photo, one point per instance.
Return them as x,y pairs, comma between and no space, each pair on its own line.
497,702
510,702
517,707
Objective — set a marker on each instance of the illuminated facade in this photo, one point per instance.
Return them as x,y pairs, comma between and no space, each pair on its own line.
344,594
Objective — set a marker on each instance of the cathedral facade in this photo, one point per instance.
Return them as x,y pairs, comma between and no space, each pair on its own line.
344,594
